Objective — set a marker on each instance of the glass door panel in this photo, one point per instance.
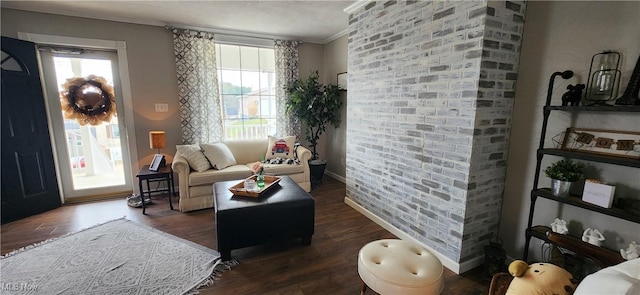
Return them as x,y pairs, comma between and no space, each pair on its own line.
91,158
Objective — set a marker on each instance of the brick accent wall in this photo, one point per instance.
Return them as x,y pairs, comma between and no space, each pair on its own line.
431,89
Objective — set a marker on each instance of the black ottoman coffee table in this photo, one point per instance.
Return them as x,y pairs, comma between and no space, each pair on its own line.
283,212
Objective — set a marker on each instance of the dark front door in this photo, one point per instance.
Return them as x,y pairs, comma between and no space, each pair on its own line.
29,184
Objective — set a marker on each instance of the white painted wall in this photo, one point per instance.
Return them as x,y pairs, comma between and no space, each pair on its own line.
151,66
563,35
335,61
152,69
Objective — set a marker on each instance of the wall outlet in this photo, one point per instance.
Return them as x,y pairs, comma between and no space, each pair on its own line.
162,107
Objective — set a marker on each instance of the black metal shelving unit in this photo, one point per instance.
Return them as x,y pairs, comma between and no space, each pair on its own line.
539,231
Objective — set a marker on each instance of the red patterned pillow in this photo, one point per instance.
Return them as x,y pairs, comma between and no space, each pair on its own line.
281,147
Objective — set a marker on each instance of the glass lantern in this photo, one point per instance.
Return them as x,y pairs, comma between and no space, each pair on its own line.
604,78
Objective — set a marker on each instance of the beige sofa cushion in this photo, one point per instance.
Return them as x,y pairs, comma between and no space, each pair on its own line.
247,151
194,156
218,155
211,176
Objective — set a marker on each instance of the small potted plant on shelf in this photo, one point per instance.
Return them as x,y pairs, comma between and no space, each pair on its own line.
563,173
315,105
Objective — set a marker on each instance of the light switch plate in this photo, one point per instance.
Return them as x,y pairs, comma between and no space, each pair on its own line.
162,107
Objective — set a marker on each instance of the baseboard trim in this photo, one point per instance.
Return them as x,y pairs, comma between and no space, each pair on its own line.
446,261
336,176
93,198
471,264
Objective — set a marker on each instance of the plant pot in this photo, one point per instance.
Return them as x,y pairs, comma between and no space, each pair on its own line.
560,188
316,171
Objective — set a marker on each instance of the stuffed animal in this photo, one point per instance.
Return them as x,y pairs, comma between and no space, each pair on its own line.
539,279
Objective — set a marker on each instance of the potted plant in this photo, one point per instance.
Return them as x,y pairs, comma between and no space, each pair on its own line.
315,105
563,173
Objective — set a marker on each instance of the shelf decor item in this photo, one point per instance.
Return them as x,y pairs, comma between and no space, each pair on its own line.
598,193
631,94
605,142
560,188
559,226
562,174
632,252
593,237
604,78
573,95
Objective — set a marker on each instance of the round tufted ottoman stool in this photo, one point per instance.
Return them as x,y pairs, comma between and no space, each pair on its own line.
399,267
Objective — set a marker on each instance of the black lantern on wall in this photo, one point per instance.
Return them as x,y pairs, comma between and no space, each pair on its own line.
604,78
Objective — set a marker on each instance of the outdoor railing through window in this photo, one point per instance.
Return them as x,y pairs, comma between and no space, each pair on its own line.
247,81
256,131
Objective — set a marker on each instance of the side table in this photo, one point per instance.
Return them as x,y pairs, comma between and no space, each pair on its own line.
163,174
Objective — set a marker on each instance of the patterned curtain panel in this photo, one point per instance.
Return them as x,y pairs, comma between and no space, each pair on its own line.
200,109
286,73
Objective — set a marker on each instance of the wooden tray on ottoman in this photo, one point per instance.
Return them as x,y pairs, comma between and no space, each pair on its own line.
269,182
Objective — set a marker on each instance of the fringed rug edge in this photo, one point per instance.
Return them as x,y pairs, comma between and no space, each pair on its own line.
37,244
220,268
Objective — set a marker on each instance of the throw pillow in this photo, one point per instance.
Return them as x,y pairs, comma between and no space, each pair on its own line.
196,159
280,147
219,155
539,279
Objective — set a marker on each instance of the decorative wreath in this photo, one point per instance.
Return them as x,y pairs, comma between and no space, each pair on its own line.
88,100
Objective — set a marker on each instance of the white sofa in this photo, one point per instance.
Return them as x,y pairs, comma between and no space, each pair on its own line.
620,279
196,188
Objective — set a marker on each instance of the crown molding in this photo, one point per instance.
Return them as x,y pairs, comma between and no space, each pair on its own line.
336,36
355,6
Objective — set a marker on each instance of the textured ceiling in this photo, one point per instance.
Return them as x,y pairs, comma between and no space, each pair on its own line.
310,21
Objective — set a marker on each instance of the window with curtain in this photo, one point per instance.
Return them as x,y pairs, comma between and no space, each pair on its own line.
247,84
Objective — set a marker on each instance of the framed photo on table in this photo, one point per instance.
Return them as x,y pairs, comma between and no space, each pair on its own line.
606,142
157,162
342,80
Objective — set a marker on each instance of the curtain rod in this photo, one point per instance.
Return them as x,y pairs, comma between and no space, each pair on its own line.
230,34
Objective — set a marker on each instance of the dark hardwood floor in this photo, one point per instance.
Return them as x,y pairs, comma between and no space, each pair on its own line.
327,266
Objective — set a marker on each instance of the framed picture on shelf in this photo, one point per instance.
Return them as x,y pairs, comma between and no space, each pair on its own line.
157,162
342,80
606,142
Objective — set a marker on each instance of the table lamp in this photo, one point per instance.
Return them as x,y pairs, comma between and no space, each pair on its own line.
156,140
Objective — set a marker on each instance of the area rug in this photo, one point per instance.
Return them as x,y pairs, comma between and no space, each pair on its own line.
117,257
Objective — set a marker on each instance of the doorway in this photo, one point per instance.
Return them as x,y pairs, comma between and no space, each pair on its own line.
92,158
